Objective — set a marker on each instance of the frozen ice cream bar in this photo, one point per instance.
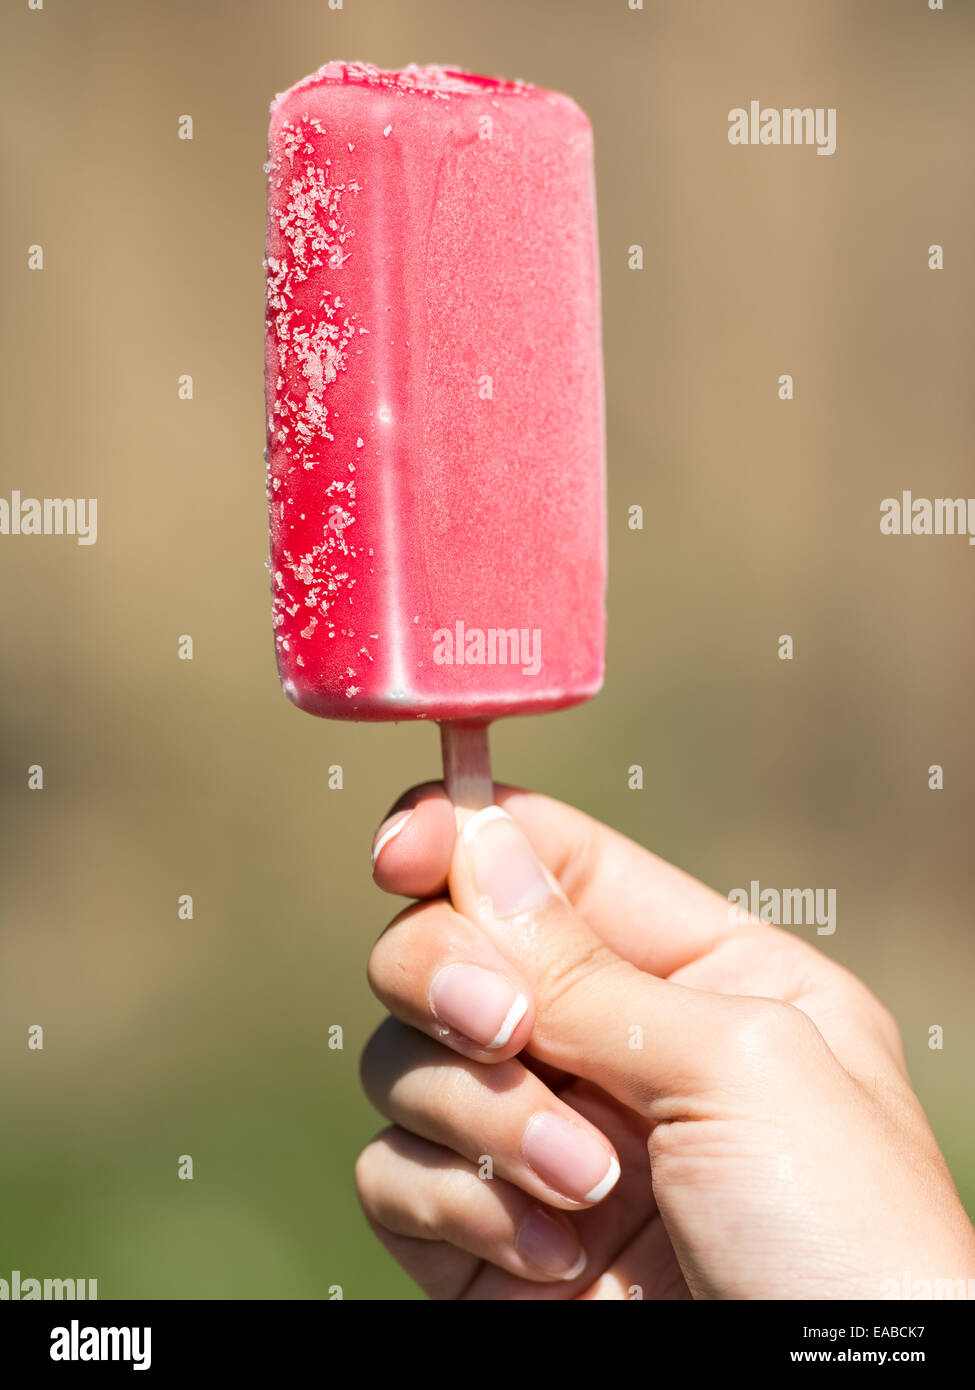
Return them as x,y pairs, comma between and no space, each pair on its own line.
434,397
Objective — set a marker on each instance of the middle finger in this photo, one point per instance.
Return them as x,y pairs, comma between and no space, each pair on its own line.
502,1117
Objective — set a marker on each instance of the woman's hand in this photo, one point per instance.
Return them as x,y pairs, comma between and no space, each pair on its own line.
576,1006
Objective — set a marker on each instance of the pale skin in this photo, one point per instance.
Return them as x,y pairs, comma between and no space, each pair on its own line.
753,1093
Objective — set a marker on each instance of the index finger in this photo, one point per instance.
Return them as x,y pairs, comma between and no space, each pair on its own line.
648,911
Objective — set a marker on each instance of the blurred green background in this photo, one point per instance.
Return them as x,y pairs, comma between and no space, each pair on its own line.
162,777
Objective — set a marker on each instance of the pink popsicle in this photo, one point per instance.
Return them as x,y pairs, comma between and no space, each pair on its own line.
436,470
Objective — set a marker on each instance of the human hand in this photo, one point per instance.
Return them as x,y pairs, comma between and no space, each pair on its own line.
623,1017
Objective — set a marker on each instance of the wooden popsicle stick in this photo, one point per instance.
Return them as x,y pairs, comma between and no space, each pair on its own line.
467,767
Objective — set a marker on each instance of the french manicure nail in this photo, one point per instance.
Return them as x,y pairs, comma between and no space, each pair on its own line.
388,831
544,1241
503,864
481,1005
571,1160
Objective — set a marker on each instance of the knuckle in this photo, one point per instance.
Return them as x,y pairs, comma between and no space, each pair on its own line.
890,1031
388,957
763,1029
410,949
386,1197
369,1167
562,978
377,1055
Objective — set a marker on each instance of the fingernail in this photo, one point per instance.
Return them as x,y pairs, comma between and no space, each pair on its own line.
549,1245
388,831
481,1005
569,1159
503,864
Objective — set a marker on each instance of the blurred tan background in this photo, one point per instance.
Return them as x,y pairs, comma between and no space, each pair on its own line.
162,777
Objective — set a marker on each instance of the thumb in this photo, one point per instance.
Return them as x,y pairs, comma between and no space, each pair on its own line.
596,1015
